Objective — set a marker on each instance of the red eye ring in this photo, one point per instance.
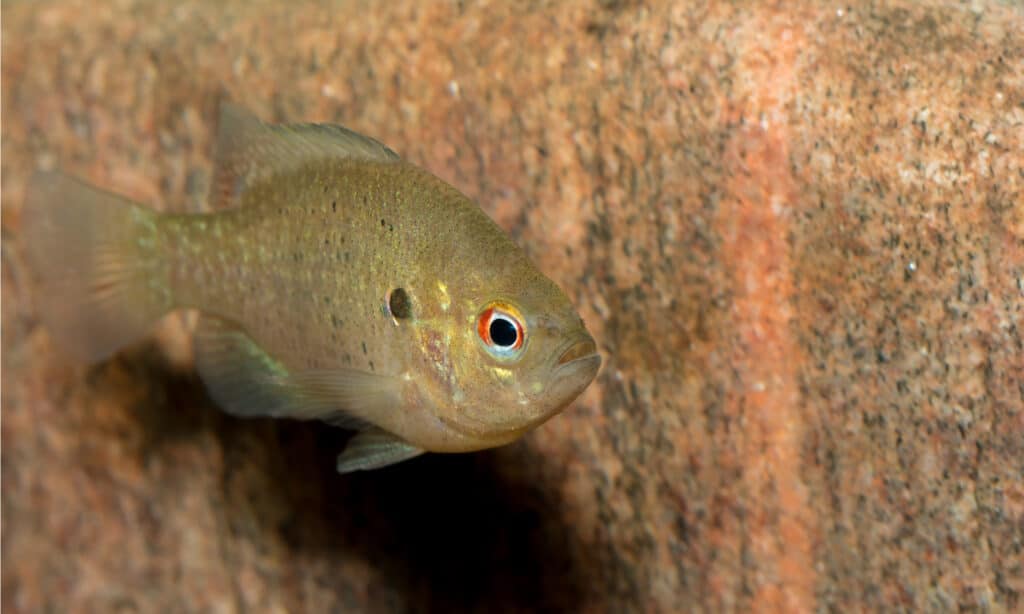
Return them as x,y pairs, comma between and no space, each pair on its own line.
499,320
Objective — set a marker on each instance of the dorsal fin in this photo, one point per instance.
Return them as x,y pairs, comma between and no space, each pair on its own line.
248,150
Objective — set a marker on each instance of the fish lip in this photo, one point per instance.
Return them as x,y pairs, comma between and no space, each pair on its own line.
582,349
579,362
576,356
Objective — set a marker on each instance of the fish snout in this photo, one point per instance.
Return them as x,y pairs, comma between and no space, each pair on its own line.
582,349
578,359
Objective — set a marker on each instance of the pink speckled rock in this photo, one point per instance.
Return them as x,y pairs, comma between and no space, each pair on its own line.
797,233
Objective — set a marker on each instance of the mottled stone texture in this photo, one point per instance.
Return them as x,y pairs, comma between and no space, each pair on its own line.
797,233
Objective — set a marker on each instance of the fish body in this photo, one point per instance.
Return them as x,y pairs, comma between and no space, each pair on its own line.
335,281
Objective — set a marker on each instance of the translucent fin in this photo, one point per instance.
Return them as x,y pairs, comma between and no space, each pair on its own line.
100,281
374,449
364,396
249,150
246,381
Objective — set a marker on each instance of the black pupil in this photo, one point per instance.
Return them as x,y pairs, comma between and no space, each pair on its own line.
503,332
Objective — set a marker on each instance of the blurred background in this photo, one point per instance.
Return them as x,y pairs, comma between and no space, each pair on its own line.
796,231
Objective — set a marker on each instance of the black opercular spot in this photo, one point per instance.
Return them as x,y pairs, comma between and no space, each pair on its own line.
399,304
503,332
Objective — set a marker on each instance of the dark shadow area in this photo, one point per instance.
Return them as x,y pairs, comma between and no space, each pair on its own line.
467,532
451,533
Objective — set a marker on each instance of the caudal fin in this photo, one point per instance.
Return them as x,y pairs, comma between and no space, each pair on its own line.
94,255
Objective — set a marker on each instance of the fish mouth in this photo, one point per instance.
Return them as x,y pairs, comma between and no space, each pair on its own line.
580,350
575,368
580,357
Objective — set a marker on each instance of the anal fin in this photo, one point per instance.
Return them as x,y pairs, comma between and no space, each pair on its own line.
373,449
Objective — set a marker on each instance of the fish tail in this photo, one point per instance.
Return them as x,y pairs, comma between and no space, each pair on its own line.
96,261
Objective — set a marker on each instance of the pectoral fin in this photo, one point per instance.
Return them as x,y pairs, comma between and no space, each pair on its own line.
373,449
247,381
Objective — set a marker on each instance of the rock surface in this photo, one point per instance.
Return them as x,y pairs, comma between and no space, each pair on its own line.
798,235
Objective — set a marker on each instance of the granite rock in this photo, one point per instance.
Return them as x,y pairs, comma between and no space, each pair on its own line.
797,232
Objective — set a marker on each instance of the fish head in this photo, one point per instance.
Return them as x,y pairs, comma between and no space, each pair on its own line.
518,354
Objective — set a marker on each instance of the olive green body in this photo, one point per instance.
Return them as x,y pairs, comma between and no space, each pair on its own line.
306,262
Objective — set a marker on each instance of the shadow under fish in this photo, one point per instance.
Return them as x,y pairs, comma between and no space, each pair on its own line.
445,533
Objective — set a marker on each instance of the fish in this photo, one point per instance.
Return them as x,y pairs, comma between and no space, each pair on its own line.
334,281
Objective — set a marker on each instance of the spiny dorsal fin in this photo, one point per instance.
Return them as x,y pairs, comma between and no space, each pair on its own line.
248,150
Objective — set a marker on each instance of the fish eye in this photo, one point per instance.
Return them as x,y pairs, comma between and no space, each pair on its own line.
501,330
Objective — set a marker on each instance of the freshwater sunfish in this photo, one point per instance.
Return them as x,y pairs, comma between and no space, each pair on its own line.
335,282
